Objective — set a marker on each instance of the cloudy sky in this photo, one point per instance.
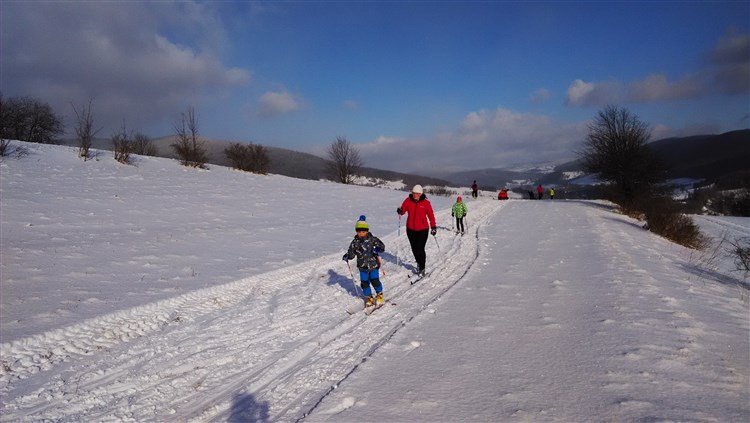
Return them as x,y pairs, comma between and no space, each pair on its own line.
416,86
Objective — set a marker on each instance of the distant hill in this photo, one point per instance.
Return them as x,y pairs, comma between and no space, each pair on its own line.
705,156
708,157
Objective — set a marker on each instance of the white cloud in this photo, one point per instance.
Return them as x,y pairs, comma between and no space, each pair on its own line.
733,48
581,93
657,88
483,139
578,91
731,64
124,56
726,72
277,103
540,96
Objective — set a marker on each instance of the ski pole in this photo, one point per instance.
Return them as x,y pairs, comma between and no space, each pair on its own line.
436,243
356,291
398,260
381,265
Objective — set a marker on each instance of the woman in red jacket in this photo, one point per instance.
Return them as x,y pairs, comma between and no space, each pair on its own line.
417,224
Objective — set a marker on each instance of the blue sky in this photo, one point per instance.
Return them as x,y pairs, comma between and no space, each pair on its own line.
416,86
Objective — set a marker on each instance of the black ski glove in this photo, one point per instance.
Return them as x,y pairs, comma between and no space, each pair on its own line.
346,257
399,211
433,231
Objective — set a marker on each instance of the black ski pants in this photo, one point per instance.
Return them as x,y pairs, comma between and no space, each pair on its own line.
418,240
460,224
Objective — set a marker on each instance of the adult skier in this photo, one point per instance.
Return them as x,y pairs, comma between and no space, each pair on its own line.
474,189
421,218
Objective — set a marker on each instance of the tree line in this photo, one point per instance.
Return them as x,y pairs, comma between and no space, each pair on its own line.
31,120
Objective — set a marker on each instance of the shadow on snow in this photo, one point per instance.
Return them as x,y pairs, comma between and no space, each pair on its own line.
246,409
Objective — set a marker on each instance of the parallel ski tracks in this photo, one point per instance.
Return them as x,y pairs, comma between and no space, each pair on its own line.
289,363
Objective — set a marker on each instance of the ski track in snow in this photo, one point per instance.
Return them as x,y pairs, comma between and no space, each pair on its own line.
224,350
620,339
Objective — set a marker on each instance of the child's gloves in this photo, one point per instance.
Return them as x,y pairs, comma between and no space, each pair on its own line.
399,211
451,214
346,257
433,231
376,250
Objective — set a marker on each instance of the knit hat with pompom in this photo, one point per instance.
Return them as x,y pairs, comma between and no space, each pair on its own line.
362,225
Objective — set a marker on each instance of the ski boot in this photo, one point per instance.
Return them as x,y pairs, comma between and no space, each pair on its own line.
379,298
369,301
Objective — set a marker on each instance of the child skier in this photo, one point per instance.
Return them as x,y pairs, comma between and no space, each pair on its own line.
459,211
366,247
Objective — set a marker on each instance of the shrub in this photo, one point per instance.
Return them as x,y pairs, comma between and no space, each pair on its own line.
248,157
732,203
664,218
122,148
4,147
740,250
439,190
143,145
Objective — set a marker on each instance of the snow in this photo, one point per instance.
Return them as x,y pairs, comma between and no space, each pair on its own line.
156,292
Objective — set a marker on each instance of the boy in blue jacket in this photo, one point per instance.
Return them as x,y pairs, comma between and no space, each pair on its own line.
366,247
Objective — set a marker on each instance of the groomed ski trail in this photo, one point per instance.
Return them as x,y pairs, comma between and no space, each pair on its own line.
268,347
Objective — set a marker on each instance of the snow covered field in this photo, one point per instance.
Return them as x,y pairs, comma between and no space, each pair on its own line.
160,293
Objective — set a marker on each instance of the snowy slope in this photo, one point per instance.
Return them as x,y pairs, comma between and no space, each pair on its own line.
160,293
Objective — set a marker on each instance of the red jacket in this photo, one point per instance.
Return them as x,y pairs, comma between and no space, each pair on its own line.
419,211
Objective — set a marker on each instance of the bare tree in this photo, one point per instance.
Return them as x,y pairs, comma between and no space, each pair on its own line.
189,147
616,150
85,132
344,161
26,119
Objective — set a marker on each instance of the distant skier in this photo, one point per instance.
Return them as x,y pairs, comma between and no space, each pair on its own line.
540,191
366,247
551,193
418,225
459,211
474,189
531,194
